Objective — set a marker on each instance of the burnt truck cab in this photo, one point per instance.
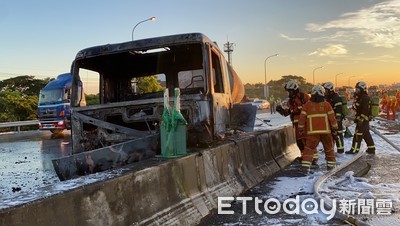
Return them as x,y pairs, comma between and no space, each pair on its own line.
132,77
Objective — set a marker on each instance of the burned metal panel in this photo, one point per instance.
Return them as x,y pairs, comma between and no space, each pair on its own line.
221,106
102,159
200,126
243,117
236,86
102,125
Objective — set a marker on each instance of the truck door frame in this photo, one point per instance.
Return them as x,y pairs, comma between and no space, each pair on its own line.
220,91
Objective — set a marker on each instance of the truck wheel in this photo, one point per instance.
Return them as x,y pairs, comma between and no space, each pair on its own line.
56,131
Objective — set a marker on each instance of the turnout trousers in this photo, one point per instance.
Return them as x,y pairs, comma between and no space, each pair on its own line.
301,142
339,138
312,142
362,132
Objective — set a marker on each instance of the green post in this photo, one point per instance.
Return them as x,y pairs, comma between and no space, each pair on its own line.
165,126
173,128
178,125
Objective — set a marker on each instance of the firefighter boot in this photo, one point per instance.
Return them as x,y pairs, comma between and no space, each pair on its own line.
314,164
330,168
371,150
351,151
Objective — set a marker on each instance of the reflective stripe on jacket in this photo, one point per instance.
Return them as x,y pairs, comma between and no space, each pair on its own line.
318,118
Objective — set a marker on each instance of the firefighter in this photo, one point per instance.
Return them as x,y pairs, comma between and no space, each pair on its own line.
293,108
385,100
272,104
335,101
362,117
317,120
398,98
392,107
347,94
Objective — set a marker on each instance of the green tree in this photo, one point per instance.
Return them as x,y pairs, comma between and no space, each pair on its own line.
16,107
92,99
254,90
26,85
148,84
276,87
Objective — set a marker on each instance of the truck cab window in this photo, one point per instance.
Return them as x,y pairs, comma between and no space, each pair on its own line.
90,83
217,74
144,87
191,82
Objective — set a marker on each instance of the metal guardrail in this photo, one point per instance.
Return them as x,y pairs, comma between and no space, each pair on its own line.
18,124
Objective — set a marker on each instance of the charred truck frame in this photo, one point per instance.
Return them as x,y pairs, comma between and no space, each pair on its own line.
129,110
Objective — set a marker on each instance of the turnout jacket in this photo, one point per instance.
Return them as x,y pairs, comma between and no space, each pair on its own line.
317,118
295,105
393,102
337,105
362,108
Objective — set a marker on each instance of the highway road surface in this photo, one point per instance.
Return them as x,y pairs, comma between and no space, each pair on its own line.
26,160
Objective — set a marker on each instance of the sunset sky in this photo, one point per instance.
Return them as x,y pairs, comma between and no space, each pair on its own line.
356,40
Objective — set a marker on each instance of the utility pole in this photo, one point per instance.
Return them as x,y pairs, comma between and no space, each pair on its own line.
228,48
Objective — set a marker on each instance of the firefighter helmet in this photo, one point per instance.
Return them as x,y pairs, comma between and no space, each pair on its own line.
328,86
291,85
318,90
361,86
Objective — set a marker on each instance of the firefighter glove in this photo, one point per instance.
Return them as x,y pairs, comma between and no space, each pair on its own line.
280,109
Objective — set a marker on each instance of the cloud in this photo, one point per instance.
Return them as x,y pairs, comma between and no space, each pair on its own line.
291,38
330,50
382,58
378,25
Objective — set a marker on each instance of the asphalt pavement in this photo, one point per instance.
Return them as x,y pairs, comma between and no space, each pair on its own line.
26,160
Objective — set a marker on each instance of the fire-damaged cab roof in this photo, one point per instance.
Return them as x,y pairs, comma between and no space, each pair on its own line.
157,42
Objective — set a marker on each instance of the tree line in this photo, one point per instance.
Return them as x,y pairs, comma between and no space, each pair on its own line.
276,87
19,98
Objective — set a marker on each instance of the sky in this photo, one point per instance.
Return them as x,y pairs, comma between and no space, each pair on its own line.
341,40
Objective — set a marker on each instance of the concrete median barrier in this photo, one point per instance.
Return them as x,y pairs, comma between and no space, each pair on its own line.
177,191
283,146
